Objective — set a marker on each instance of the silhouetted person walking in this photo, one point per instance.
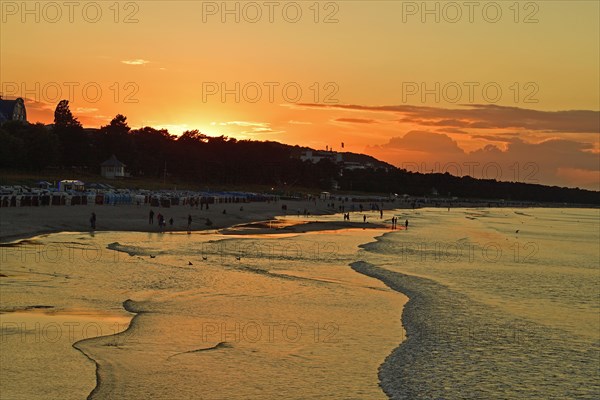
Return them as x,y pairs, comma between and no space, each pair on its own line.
151,217
161,221
93,221
406,224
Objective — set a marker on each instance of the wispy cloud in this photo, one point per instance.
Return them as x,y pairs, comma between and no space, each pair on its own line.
452,130
138,61
245,124
356,120
299,122
85,110
262,130
486,116
31,104
250,128
495,138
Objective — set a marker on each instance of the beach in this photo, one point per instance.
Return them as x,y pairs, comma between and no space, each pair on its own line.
271,310
468,303
300,200
23,222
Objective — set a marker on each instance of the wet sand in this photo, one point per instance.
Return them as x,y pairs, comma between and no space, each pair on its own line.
170,316
22,222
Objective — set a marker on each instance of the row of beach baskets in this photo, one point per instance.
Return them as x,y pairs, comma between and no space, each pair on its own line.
70,199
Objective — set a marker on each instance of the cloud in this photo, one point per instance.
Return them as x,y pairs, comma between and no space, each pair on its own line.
138,61
559,162
494,138
443,122
262,131
299,122
245,123
85,110
451,130
255,127
586,179
486,116
552,154
38,105
356,120
426,142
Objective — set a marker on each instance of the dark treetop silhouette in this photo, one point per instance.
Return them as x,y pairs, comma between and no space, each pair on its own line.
201,159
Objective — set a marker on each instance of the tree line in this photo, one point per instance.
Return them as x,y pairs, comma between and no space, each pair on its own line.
200,159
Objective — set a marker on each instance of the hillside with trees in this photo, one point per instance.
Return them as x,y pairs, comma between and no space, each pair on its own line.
200,160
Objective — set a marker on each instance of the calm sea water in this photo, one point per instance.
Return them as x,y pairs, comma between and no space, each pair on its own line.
503,305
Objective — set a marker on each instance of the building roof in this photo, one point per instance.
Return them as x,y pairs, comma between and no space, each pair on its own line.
72,182
112,162
7,108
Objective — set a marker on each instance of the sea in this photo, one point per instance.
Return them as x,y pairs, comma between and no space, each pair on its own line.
466,303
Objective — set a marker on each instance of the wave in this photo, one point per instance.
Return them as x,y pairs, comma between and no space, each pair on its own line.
456,348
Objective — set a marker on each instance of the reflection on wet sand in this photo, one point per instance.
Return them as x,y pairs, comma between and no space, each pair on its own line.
273,316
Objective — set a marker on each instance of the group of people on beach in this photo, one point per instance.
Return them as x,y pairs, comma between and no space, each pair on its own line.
395,223
197,202
162,223
306,213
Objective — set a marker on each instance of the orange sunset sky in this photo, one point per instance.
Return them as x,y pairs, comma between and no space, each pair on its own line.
506,90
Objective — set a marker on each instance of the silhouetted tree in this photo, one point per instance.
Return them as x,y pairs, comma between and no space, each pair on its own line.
115,139
75,146
63,116
118,124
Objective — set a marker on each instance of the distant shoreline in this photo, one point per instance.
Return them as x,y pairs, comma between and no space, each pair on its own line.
18,223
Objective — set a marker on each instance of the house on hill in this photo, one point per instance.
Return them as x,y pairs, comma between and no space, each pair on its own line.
112,168
12,110
314,156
